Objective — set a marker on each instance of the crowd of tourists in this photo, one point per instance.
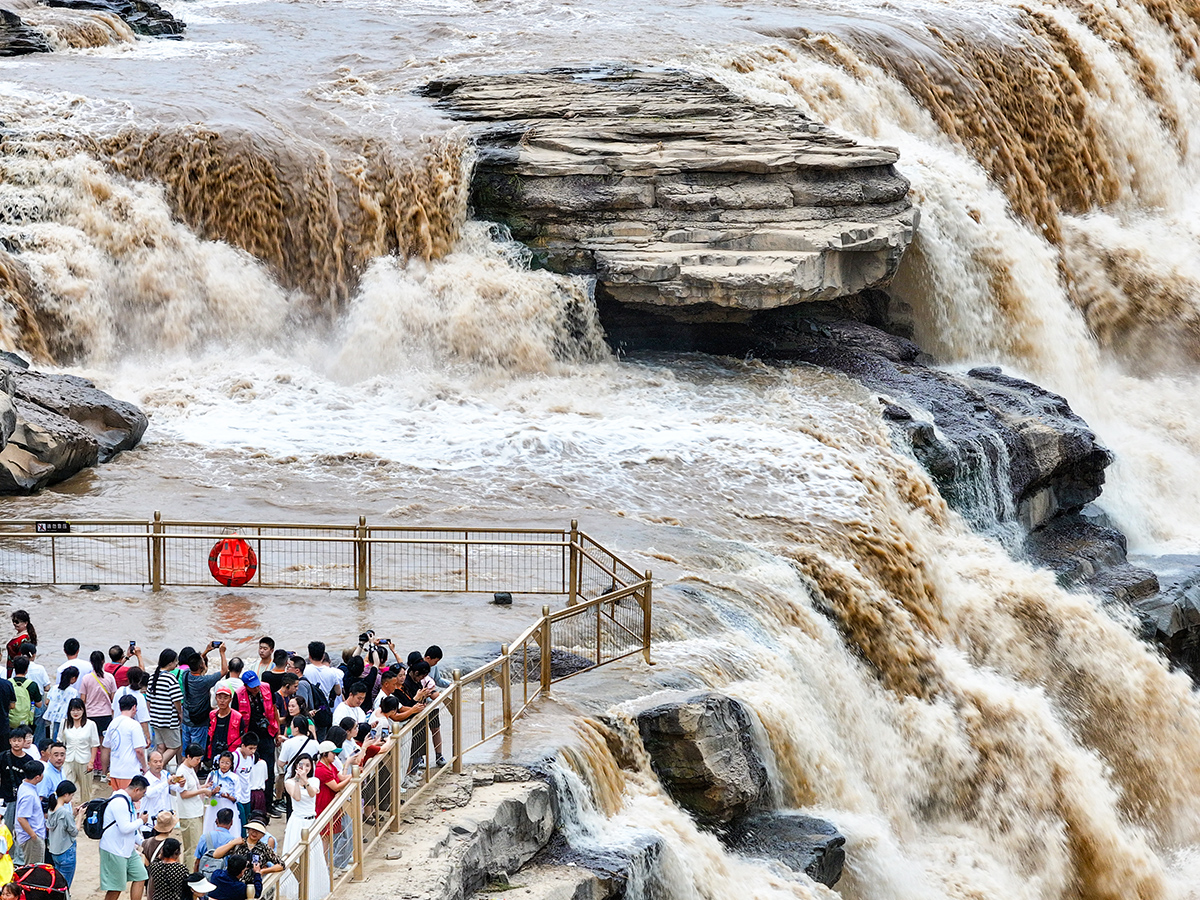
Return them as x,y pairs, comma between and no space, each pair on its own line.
199,753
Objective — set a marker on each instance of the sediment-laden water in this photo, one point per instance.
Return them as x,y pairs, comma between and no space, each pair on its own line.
260,235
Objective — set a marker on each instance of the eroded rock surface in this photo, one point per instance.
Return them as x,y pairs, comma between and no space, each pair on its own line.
802,843
17,38
143,16
54,426
675,192
701,747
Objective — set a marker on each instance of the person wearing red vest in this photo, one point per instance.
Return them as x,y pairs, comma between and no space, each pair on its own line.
256,703
224,725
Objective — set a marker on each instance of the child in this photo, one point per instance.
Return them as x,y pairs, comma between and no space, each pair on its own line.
258,788
63,829
223,785
435,722
243,769
58,698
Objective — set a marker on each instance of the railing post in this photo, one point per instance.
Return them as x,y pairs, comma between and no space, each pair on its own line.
506,687
573,576
397,754
305,837
647,604
456,715
356,822
156,553
544,645
360,557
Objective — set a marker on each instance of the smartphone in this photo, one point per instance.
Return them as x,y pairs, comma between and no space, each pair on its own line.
216,643
132,646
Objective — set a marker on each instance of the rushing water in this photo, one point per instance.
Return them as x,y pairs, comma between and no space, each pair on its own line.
260,235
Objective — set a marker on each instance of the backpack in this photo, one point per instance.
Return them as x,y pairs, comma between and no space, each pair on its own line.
93,817
322,714
209,863
22,712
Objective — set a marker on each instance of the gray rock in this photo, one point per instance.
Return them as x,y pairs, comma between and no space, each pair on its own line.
678,194
54,426
143,16
802,843
17,38
700,746
1085,554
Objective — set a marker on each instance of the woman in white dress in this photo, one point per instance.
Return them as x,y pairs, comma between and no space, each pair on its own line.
302,787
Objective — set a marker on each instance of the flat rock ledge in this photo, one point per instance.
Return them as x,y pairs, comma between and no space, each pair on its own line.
677,194
54,426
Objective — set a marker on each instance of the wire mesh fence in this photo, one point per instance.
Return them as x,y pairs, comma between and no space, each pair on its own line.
468,561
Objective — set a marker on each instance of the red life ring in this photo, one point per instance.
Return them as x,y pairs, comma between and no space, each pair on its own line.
232,562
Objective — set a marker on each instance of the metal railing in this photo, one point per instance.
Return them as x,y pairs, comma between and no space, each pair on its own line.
482,705
361,558
607,618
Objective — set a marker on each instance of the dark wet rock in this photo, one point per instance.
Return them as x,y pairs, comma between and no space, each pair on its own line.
1000,449
562,663
1085,554
17,38
677,194
612,868
143,16
802,843
57,425
701,747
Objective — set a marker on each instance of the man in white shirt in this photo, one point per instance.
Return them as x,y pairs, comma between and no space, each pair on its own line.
192,799
124,746
320,672
71,649
120,861
158,789
352,706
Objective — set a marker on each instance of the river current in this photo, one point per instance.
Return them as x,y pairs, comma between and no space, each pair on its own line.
260,235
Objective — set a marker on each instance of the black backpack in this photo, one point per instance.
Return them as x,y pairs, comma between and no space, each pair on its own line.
93,817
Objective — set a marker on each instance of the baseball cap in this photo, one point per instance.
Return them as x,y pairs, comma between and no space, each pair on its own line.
225,689
250,680
328,747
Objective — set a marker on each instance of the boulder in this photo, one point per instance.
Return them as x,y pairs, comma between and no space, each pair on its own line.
17,38
1086,554
701,747
677,194
802,843
54,426
143,16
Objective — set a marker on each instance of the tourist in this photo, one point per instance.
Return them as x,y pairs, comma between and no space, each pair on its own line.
41,677
197,888
81,740
266,655
274,675
260,777
298,711
118,662
135,686
166,706
56,760
120,862
167,874
258,716
31,818
24,632
12,774
217,834
124,747
224,724
352,706
56,702
255,848
302,788
319,672
390,680
228,883
96,689
159,833
62,827
243,769
222,790
196,684
304,689
192,797
27,693
414,697
232,680
158,797
329,782
71,651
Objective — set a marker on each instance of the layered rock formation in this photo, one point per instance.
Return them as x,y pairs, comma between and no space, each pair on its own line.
801,843
17,38
145,17
676,193
53,426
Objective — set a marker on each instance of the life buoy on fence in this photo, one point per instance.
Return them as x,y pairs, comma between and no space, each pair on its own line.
232,562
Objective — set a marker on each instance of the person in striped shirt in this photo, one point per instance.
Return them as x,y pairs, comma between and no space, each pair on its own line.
166,705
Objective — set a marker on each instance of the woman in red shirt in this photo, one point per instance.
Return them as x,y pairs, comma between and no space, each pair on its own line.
331,783
25,632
